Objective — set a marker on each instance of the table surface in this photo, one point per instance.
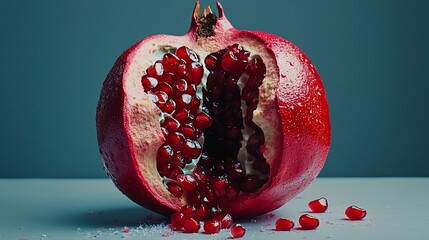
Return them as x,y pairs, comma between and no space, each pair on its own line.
94,209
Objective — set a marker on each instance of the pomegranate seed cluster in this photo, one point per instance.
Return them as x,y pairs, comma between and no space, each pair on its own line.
212,148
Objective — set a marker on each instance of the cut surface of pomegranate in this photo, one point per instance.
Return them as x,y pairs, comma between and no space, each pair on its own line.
215,124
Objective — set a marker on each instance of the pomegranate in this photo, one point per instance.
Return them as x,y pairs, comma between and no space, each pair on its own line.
218,120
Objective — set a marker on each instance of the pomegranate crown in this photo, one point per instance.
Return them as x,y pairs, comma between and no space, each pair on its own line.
204,24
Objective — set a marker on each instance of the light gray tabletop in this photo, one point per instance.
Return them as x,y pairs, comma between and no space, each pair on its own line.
33,209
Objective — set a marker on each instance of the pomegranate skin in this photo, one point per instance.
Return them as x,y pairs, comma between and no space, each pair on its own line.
301,106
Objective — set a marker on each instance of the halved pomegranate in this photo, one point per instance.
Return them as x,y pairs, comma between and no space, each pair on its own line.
221,120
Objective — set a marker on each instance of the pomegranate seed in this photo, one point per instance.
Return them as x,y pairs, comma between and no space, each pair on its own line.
308,222
212,227
188,131
188,210
187,181
162,97
175,140
196,73
236,172
183,116
169,107
171,124
202,120
169,78
201,212
181,85
194,104
256,67
226,221
355,213
165,87
219,186
175,189
236,48
191,90
261,166
165,152
155,70
149,83
190,149
169,61
284,224
177,160
250,184
191,225
231,192
174,172
181,69
319,205
187,54
199,174
177,220
237,231
211,62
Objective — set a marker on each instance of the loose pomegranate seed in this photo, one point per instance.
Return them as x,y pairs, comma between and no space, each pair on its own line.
188,210
319,205
308,222
201,212
187,182
226,220
177,220
237,231
212,227
283,224
191,225
355,213
175,189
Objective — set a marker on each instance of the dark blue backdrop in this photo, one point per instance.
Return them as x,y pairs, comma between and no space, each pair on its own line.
371,54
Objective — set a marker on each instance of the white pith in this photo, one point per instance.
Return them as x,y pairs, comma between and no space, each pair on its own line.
265,116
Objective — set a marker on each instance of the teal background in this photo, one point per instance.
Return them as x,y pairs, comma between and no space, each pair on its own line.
371,54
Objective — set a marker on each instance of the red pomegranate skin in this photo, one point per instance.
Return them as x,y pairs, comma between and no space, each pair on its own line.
301,106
